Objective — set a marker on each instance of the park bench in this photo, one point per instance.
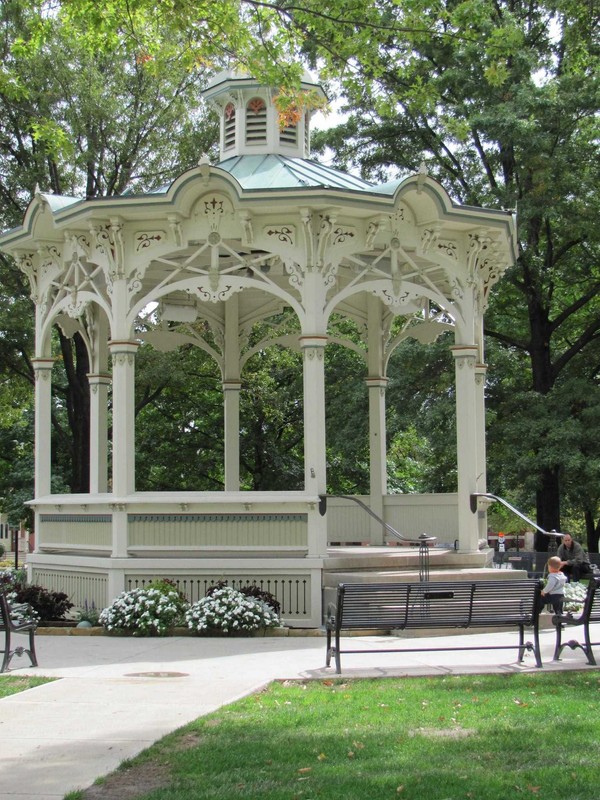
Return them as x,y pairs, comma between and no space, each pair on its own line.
439,605
589,614
16,619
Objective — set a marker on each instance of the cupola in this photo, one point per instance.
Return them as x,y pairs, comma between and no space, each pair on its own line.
250,119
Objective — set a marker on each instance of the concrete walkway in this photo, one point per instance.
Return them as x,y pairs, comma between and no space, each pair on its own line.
116,696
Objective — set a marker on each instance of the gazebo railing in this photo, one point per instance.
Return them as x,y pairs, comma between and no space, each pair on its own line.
425,541
554,535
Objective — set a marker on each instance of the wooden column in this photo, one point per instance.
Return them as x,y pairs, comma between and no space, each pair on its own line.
465,360
123,437
42,370
99,385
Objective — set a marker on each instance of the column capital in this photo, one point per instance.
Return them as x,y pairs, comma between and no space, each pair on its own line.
42,363
465,355
99,377
123,346
464,350
231,386
313,340
377,382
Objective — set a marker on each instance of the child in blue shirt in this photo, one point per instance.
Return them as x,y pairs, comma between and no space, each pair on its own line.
554,590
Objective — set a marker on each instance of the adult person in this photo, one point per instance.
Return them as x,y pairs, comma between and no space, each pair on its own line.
573,559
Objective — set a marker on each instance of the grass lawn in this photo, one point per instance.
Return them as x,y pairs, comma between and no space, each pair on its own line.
12,684
485,737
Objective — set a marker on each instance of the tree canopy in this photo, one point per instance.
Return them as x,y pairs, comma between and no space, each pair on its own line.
498,98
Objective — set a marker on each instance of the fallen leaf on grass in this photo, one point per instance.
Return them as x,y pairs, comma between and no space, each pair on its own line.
321,757
399,789
302,770
534,789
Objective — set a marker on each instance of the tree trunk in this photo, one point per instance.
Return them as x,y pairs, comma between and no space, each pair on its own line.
593,531
547,507
76,363
548,493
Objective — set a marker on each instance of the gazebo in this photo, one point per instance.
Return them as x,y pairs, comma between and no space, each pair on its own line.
228,246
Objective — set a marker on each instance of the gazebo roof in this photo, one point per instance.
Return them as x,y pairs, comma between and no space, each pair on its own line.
280,172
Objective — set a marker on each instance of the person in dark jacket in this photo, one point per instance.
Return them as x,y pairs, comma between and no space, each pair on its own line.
574,560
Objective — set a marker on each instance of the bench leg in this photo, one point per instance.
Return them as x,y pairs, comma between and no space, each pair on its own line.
338,660
6,658
18,651
328,653
558,647
32,653
536,646
588,645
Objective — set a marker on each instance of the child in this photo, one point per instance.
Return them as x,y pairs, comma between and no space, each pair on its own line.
554,590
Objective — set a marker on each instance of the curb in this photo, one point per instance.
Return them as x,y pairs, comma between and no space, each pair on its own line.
99,631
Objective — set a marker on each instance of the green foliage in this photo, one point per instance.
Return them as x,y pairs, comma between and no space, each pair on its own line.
82,121
168,587
500,100
271,421
501,103
179,436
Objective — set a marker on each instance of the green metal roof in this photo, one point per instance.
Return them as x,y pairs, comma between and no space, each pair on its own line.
279,172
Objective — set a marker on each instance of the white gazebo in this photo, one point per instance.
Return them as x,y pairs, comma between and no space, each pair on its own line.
231,245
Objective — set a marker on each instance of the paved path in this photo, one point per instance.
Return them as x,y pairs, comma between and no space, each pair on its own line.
116,696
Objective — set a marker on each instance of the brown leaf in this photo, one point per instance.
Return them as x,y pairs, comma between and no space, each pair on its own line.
302,770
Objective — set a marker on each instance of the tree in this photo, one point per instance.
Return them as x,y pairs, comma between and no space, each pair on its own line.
498,97
83,123
501,103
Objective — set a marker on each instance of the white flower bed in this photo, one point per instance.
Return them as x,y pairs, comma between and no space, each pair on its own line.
574,597
230,611
142,612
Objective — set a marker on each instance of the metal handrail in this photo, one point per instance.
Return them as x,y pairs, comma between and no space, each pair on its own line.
431,540
474,497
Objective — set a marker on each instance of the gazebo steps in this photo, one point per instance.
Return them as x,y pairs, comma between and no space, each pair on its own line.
348,559
332,578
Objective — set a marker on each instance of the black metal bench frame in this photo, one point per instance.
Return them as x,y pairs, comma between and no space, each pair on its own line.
589,614
439,605
16,619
